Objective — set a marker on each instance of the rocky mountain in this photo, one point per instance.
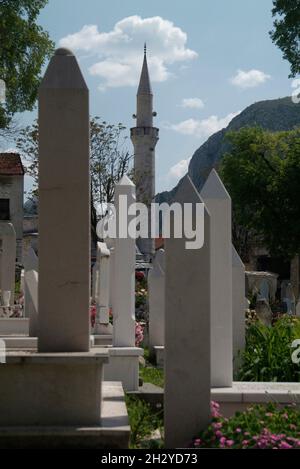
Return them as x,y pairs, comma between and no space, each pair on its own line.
274,115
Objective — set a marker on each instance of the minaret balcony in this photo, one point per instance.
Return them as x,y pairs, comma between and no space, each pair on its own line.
144,131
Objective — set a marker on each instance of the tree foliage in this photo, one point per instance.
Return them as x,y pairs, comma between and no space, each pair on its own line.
24,47
286,32
262,174
109,161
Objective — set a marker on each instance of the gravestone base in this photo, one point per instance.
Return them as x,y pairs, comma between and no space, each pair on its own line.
102,340
19,342
51,389
14,326
112,433
124,366
244,394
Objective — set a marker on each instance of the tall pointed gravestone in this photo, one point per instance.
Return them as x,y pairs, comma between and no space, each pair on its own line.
218,203
64,207
61,383
124,355
187,332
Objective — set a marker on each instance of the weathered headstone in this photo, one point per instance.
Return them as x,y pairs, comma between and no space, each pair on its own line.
124,270
7,261
218,203
102,287
187,335
156,294
64,207
238,305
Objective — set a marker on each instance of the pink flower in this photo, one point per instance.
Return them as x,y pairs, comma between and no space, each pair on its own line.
238,430
197,442
229,443
219,434
139,334
217,425
245,442
284,445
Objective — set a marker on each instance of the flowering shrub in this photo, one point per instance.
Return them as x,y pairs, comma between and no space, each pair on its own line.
260,427
139,275
139,333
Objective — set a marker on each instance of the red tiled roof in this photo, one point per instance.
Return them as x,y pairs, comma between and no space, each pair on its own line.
11,164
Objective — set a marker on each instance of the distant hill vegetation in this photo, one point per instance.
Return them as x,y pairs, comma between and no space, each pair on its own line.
273,115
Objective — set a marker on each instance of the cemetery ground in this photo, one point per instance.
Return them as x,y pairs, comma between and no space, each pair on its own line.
266,358
268,426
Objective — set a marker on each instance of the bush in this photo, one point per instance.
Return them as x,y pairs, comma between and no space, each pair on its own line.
260,427
267,355
144,421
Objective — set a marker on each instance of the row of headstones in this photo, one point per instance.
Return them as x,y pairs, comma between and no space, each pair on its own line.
228,288
113,287
195,294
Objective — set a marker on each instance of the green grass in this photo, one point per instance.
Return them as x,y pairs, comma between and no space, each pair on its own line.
149,374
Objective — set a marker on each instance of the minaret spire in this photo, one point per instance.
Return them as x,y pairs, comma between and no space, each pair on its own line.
145,84
144,138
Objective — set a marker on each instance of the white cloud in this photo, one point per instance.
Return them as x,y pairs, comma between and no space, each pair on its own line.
118,53
249,79
179,169
192,103
202,128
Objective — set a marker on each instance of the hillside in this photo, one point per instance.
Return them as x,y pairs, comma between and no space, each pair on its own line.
274,115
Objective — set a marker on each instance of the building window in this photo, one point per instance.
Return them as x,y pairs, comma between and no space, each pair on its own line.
4,209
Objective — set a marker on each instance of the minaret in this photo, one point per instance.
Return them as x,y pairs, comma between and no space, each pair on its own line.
144,138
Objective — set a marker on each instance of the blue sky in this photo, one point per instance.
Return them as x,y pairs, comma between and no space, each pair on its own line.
208,60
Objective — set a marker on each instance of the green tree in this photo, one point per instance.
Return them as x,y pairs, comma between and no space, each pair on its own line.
286,32
262,174
24,47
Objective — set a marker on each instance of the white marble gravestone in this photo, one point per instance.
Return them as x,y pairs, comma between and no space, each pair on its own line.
187,332
102,277
64,208
218,203
124,281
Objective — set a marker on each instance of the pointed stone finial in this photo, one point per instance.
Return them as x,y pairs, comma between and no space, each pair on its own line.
125,181
214,187
145,48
